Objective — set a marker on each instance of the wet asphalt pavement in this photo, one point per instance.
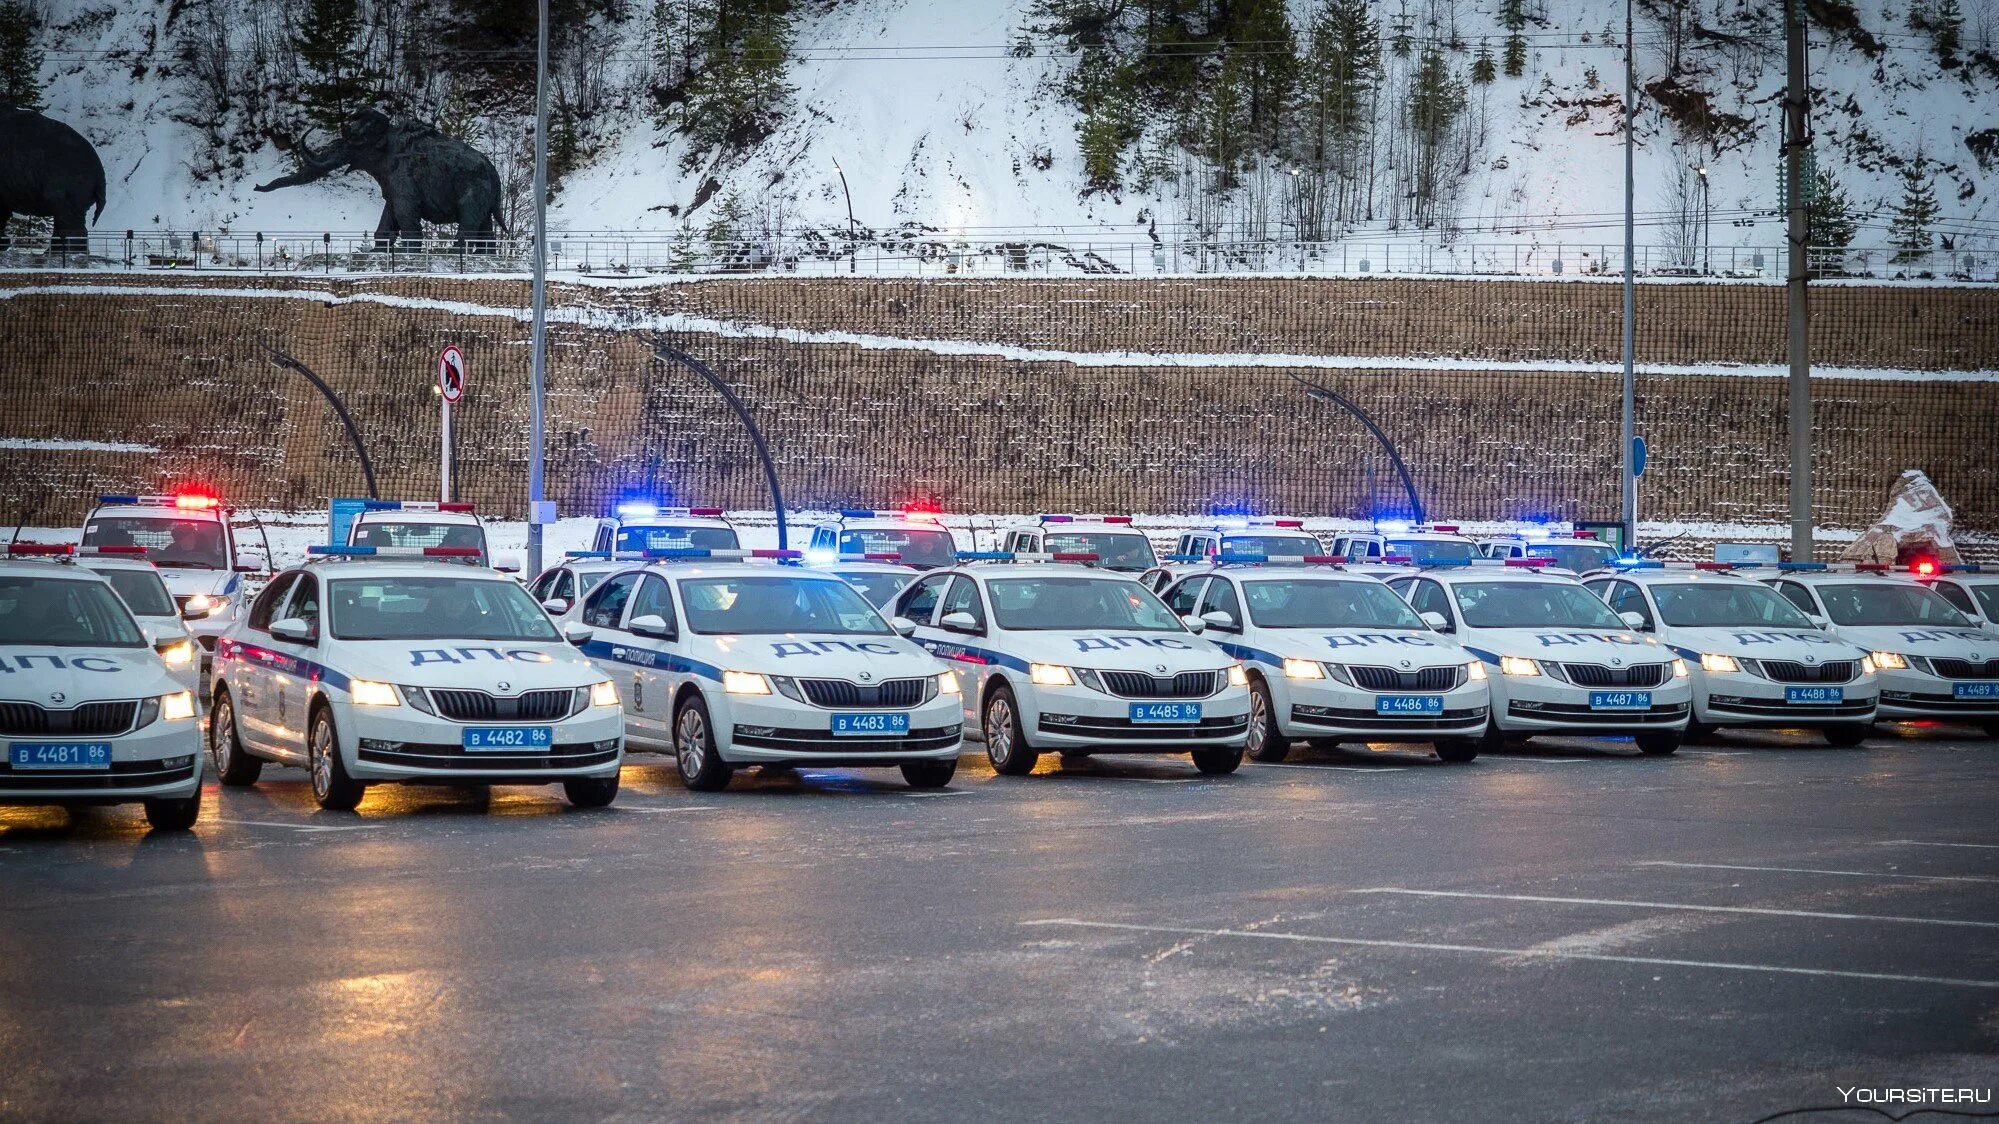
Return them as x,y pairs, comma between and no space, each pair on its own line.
1568,932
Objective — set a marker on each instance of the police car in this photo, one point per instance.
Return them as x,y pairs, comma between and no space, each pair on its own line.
370,665
1756,660
636,527
1260,537
1112,538
402,525
188,538
562,585
1334,657
1057,655
89,713
1971,589
727,660
1932,660
878,577
137,583
1578,552
1557,659
1422,544
917,537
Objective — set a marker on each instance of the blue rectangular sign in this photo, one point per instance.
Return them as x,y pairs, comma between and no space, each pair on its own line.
1620,700
505,739
340,513
1819,696
1165,713
59,755
1409,704
1975,690
870,725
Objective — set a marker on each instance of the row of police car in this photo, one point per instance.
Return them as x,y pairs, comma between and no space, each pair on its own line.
403,655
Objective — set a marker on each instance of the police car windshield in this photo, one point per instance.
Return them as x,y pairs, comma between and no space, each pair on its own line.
64,613
1424,551
921,548
1725,605
878,586
1532,605
677,538
1988,597
1575,556
1326,604
1887,603
759,606
1271,546
439,608
184,543
1115,550
1042,604
142,591
402,533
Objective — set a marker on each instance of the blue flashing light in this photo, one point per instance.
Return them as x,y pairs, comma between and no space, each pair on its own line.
857,513
637,510
126,499
603,554
1639,564
1963,568
381,505
1393,527
1801,566
1228,556
986,556
341,551
680,552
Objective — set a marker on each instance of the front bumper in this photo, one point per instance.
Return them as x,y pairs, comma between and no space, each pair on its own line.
1078,717
756,729
401,743
1318,708
1540,704
1740,699
1915,694
161,761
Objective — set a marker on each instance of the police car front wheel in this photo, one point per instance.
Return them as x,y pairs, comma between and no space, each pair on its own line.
174,815
701,766
233,767
1658,743
591,792
332,788
1006,742
1266,742
1457,751
929,774
1217,762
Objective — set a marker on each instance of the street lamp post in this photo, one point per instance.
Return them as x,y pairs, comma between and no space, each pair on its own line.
1328,394
538,359
1707,246
853,244
1627,429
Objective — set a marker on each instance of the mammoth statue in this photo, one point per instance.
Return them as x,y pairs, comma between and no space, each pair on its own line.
425,176
47,168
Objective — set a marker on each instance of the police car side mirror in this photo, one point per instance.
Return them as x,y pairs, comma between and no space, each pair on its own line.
903,626
1438,622
1634,621
251,562
577,634
1220,620
653,625
556,606
1817,621
291,628
1194,624
959,622
507,563
188,614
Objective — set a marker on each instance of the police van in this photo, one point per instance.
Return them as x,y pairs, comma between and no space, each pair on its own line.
1578,552
727,660
188,538
1057,655
1971,589
402,525
1112,538
1756,660
1422,545
1557,659
138,584
916,537
636,527
372,665
89,712
1333,657
1932,661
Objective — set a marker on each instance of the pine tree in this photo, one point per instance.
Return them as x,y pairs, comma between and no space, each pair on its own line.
1259,33
1483,69
1917,212
335,81
1341,69
1436,101
20,55
1833,224
1946,31
1102,143
1513,17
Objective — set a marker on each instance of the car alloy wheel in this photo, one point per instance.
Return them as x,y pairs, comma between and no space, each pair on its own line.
321,752
222,735
999,729
1259,715
690,741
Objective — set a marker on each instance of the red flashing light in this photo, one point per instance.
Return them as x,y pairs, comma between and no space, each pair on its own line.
41,548
1074,556
888,557
1119,520
776,554
1713,566
1529,563
1322,559
190,501
1291,523
705,512
1585,534
451,552
1870,567
1444,528
464,507
1924,568
1398,559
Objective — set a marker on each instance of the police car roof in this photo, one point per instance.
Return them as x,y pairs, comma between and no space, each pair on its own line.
418,515
158,511
1041,569
868,568
1521,574
115,562
397,568
1671,576
36,566
1816,577
727,568
630,522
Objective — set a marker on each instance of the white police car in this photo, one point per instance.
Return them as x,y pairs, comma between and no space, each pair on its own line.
636,526
403,525
726,660
562,585
1422,545
1112,538
1932,661
1056,655
89,714
1578,552
1971,589
137,583
1257,536
1756,660
878,577
371,665
188,537
1557,659
1334,657
916,537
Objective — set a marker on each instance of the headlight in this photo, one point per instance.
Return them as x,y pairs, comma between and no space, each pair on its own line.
1050,675
604,694
1475,671
1890,661
1715,661
1303,669
177,707
745,683
1867,665
367,692
1238,676
947,683
1680,666
178,655
1518,665
207,604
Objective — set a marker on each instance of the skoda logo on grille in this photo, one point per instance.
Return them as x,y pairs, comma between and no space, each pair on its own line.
867,676
1811,659
1160,668
1617,661
57,696
504,685
1405,663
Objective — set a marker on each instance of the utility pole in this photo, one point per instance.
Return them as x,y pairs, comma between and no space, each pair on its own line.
1796,138
853,246
539,330
1707,229
1628,414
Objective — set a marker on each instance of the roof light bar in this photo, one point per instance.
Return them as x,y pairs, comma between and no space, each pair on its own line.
1443,528
185,501
125,551
45,549
1528,563
345,551
1806,567
1075,556
1634,564
1398,559
878,556
1963,568
409,505
1721,566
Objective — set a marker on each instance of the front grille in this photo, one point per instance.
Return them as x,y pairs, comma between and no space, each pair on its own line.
1422,679
456,758
1138,685
121,774
1123,729
838,694
1637,675
1337,717
478,706
1584,716
19,719
1787,671
1965,669
920,739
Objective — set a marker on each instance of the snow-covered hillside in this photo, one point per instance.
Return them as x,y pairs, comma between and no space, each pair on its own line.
935,121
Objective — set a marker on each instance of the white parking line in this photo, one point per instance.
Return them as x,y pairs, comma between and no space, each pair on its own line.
1539,953
1341,768
945,792
1814,870
667,811
1928,843
1680,906
301,826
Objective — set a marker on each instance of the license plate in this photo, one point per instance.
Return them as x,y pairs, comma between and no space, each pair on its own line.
1408,704
1815,695
1975,691
518,739
1620,700
59,755
1165,713
870,725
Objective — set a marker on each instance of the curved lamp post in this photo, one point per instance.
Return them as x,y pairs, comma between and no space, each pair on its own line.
1327,394
339,407
671,354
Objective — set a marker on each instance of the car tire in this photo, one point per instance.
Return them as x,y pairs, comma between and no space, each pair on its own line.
1846,737
694,754
332,788
1699,733
234,767
1992,729
1266,742
174,815
1328,744
929,774
591,792
1218,762
1658,743
1006,742
1457,751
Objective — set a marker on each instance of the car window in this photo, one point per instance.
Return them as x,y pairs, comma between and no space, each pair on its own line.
919,602
1879,603
565,587
764,606
142,591
1185,596
676,538
1577,556
1309,603
606,605
1425,551
1798,595
191,543
1949,591
1988,598
268,601
1725,605
304,604
927,548
446,606
1078,603
1221,598
1115,550
879,586
64,612
964,598
1429,597
1625,597
420,534
654,599
1536,604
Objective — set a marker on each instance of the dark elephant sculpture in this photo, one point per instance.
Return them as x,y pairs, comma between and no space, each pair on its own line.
425,176
48,169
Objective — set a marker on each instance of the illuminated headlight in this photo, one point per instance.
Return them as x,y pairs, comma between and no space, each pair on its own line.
1050,675
177,707
1238,677
1715,661
1475,671
367,692
1680,667
178,655
1890,661
207,604
1518,666
604,693
947,683
1303,669
1867,665
745,683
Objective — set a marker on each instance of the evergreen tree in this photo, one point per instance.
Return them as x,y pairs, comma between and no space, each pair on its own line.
739,93
1102,142
336,83
1946,31
1341,70
1436,103
1513,17
1917,212
1483,69
1259,34
20,55
1833,224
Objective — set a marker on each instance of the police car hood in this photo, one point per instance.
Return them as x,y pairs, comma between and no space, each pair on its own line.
1385,647
186,581
853,657
1804,644
1116,651
477,664
1959,642
30,673
1568,645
